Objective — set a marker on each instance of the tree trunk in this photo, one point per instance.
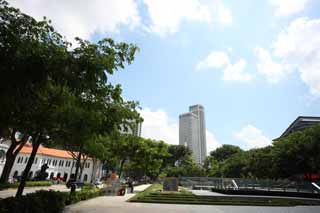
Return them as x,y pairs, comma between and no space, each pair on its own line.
94,170
26,171
11,155
73,189
78,164
121,167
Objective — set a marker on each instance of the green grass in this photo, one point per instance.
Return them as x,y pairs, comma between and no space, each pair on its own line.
28,184
154,194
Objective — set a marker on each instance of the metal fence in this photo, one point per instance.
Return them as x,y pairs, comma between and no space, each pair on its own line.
250,184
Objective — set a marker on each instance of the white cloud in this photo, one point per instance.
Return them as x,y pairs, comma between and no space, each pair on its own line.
83,18
167,15
220,60
270,69
212,142
157,125
287,7
224,15
298,48
252,137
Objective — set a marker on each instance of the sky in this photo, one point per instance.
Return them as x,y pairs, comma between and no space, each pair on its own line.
253,65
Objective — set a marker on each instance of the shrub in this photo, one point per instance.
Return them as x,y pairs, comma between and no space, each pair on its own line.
84,194
28,184
45,201
38,202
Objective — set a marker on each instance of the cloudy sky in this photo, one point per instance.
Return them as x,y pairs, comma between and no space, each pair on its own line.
253,65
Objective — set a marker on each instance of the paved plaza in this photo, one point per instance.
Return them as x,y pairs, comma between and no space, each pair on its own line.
118,204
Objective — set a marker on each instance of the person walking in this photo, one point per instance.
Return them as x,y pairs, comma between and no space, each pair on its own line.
130,185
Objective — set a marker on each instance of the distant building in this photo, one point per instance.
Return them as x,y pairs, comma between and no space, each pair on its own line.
192,132
60,162
134,128
299,124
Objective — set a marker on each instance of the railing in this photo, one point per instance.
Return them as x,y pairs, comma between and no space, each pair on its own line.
249,184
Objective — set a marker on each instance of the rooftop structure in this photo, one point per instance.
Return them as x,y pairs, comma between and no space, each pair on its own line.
299,124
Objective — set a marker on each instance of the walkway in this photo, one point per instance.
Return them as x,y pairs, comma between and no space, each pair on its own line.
118,204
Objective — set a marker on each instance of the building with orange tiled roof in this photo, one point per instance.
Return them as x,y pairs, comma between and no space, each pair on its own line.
60,162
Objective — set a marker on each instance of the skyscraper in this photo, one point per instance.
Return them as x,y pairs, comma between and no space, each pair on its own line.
192,132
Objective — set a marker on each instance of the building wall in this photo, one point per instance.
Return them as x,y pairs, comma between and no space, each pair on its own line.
192,132
198,110
57,166
3,149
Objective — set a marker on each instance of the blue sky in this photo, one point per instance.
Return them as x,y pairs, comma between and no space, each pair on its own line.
253,65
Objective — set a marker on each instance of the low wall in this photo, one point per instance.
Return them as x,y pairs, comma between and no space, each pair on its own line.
267,193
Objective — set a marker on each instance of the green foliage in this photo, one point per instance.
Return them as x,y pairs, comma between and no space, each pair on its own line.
235,166
298,153
51,91
177,153
84,194
28,184
38,202
225,151
295,155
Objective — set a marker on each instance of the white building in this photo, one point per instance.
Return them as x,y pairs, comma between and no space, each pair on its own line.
192,132
60,162
134,128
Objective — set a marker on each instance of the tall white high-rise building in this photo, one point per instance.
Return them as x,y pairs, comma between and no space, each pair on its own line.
192,132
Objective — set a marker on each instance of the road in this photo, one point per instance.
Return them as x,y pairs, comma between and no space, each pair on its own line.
118,204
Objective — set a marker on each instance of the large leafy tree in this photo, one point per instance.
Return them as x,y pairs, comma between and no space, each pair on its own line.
225,151
177,153
30,52
298,153
41,76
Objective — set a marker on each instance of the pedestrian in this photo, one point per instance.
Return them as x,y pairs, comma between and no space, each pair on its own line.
130,185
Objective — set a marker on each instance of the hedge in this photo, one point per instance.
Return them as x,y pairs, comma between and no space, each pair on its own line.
28,184
45,201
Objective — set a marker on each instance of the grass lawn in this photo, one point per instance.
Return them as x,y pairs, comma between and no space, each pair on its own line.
154,194
28,184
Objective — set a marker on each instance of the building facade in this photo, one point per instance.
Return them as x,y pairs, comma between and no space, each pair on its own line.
192,132
60,162
300,123
134,128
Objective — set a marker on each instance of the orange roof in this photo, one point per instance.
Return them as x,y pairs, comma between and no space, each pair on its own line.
46,151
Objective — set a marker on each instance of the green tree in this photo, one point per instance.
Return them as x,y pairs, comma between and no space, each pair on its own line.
40,74
236,166
298,153
261,163
30,52
212,167
177,153
225,151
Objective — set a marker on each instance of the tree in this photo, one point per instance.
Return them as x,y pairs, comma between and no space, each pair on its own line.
39,74
298,153
30,52
261,163
212,167
177,153
235,166
225,151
